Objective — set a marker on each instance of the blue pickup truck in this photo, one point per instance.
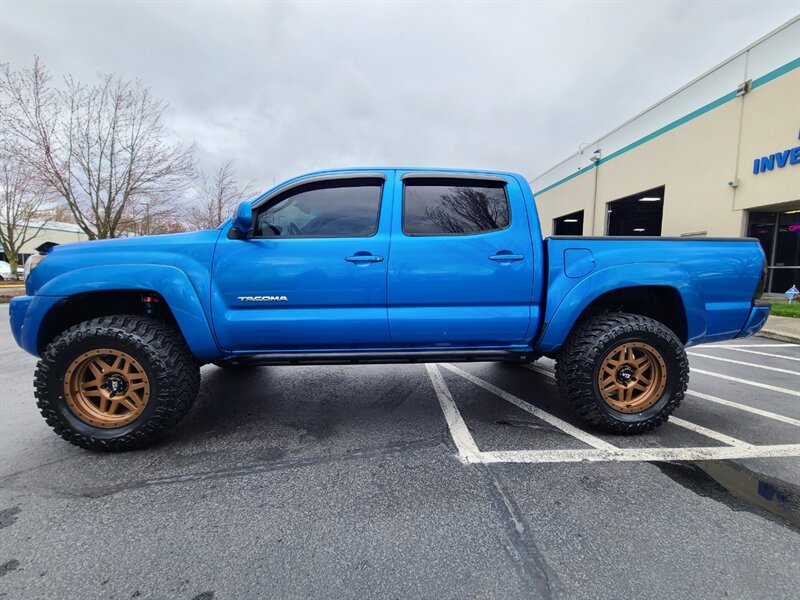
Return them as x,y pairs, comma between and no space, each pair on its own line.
375,265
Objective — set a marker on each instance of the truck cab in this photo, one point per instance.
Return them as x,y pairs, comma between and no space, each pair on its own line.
382,260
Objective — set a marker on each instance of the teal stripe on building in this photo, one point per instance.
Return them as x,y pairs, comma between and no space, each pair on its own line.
774,74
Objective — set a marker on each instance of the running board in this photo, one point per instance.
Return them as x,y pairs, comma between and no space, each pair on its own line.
355,357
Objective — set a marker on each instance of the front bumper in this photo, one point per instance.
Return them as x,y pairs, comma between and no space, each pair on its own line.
27,313
758,316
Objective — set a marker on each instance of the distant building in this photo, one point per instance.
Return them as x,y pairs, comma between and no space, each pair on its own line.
719,157
60,233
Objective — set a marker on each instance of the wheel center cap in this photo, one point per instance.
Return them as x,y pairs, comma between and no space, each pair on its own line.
625,374
115,384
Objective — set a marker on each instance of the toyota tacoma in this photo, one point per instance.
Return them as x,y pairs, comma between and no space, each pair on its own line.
375,265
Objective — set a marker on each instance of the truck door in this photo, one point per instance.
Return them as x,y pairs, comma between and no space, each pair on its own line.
461,267
313,274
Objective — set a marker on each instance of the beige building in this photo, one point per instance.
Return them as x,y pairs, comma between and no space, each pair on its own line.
59,233
719,157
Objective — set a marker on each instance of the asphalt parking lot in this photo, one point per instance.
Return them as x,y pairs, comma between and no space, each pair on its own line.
423,481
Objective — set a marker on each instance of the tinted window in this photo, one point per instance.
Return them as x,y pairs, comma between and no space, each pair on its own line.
571,224
329,209
639,214
453,207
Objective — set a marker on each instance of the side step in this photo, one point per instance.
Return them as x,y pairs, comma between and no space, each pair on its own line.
391,357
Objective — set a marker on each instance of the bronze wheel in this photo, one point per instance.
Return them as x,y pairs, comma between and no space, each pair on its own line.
632,377
623,373
106,388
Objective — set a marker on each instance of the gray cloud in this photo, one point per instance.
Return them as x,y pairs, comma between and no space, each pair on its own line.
287,88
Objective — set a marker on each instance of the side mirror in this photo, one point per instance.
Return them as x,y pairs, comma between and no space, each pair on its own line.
243,218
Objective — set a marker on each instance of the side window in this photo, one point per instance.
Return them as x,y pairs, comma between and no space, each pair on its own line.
454,207
345,208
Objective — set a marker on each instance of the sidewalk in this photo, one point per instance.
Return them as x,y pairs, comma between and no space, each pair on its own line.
783,329
8,292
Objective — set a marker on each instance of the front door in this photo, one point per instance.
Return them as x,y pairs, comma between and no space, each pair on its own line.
461,269
313,274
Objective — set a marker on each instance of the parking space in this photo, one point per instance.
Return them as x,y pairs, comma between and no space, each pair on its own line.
448,481
736,408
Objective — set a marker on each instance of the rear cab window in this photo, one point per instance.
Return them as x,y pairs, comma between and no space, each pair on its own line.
450,206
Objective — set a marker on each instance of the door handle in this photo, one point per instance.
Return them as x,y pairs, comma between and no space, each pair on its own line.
506,257
364,258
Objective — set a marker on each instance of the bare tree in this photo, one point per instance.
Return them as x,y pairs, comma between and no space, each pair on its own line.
21,199
467,210
59,213
103,148
152,217
218,197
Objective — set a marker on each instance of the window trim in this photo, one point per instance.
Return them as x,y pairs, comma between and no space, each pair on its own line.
454,175
317,179
462,177
286,192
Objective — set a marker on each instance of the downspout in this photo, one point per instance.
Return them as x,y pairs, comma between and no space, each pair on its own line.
596,160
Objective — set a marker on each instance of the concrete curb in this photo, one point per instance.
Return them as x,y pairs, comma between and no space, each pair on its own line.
7,293
779,337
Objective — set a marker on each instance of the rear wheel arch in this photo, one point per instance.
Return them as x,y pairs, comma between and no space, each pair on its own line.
661,303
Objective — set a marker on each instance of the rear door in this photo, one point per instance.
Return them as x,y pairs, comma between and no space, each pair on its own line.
313,275
461,266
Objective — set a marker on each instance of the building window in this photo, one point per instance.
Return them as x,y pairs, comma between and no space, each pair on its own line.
571,224
639,214
779,234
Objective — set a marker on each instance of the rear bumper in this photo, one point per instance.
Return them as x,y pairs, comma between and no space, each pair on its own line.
26,314
758,316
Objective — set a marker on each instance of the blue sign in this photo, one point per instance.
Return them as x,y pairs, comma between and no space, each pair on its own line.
792,293
777,160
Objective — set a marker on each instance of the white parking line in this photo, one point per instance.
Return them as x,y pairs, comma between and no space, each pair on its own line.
745,364
538,369
769,354
639,454
758,384
753,345
710,433
602,451
586,438
745,407
467,449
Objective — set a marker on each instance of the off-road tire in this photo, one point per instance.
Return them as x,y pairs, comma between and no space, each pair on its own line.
579,361
173,373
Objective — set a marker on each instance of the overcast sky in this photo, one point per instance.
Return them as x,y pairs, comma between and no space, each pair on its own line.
287,88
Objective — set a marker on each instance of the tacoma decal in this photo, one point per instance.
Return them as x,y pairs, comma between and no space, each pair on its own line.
263,299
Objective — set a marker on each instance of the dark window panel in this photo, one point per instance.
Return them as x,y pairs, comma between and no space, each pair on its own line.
636,215
338,209
442,207
571,224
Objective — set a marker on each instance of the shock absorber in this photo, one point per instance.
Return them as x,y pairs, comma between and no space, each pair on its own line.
149,301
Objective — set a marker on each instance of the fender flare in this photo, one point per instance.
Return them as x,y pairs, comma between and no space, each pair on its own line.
631,275
171,283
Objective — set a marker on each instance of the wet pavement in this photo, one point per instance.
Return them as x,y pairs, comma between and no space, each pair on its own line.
438,481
